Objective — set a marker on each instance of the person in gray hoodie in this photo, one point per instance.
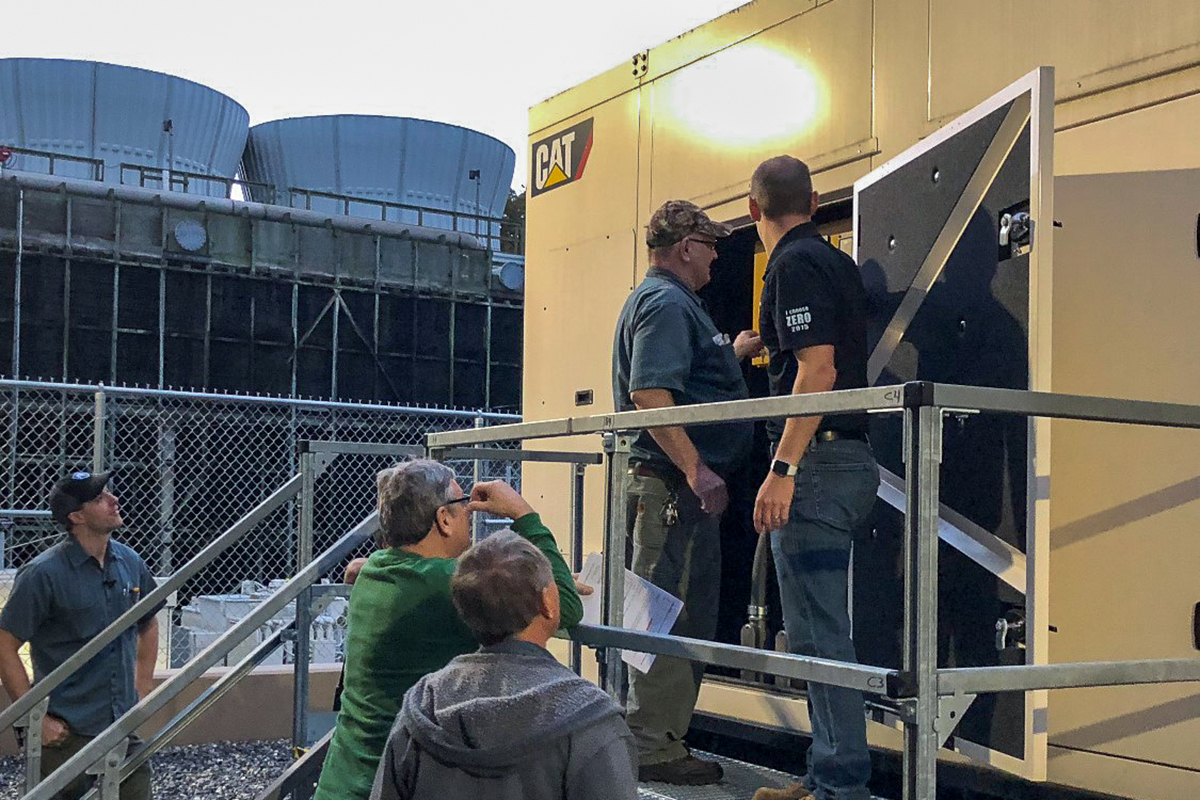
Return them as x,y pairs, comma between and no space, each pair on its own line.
507,722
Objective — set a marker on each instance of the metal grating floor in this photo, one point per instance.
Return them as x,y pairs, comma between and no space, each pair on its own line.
741,779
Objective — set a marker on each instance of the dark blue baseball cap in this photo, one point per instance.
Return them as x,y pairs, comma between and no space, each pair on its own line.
70,493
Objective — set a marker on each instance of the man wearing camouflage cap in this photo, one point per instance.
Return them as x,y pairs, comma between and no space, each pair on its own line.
667,351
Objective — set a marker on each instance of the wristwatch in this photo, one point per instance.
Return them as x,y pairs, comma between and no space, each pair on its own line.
783,469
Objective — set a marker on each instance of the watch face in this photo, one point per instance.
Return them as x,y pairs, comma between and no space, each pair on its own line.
781,468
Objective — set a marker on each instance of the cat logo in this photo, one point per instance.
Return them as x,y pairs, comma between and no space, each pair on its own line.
561,158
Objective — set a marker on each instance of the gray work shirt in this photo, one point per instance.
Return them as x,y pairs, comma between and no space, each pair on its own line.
665,339
60,601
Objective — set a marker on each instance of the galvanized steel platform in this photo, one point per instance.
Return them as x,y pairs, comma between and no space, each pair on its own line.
741,779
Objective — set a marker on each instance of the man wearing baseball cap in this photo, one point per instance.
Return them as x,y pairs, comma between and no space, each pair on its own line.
61,600
667,351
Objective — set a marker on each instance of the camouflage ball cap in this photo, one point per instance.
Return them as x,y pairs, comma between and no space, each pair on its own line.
676,219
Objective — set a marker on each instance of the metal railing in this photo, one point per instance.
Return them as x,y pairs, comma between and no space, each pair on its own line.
918,688
29,160
929,700
191,182
316,461
189,465
316,457
34,699
499,233
117,734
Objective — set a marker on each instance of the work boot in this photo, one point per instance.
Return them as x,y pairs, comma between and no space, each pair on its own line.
796,791
686,771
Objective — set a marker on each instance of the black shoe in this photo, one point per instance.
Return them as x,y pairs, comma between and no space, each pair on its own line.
686,771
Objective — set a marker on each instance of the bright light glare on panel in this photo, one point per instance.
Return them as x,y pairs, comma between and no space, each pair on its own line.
747,95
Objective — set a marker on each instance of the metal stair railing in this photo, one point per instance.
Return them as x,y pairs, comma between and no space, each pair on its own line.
298,780
930,700
131,720
41,690
194,709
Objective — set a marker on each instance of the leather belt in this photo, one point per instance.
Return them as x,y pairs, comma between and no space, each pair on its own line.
643,471
829,435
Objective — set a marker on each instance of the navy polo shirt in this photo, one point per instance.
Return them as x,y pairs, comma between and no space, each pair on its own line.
813,295
665,339
60,601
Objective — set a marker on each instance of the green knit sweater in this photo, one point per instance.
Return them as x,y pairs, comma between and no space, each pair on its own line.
402,625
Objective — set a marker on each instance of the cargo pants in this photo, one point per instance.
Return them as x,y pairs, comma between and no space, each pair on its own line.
684,559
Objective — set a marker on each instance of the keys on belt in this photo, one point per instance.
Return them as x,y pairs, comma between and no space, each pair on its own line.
670,511
670,507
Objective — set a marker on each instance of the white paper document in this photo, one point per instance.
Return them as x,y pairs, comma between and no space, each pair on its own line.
647,607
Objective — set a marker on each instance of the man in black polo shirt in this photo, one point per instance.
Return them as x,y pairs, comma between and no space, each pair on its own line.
60,601
823,479
667,352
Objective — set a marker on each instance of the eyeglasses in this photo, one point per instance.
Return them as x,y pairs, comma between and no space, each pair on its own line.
466,498
711,244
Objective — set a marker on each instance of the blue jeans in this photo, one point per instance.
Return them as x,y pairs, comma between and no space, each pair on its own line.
835,490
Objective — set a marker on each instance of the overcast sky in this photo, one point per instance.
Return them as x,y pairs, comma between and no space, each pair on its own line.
476,63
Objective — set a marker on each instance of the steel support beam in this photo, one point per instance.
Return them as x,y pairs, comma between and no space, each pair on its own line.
875,680
846,401
617,448
1028,677
576,655
923,456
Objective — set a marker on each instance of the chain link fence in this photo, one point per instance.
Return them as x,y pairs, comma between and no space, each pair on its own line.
189,465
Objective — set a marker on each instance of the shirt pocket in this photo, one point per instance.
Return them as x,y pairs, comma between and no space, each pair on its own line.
80,614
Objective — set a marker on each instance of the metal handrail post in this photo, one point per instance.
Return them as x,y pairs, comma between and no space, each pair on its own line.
923,456
198,706
108,772
617,449
42,688
576,652
135,717
301,643
33,744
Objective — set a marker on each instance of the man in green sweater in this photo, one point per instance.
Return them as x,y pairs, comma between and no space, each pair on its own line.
402,624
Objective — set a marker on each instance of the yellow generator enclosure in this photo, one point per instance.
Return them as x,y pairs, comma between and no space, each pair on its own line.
1099,520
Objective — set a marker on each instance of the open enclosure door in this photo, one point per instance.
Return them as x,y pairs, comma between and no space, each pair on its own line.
953,238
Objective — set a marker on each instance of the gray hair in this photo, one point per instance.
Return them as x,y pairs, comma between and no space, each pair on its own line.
410,494
497,586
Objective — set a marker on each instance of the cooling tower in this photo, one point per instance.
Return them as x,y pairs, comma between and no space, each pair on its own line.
390,159
118,115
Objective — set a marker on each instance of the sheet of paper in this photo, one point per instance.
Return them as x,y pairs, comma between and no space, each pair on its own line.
647,607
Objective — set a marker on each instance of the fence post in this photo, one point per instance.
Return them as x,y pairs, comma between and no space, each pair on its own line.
300,649
476,474
98,422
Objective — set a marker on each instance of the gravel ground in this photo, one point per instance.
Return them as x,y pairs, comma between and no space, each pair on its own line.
218,771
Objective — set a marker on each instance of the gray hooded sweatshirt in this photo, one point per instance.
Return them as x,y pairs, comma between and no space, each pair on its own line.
507,722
